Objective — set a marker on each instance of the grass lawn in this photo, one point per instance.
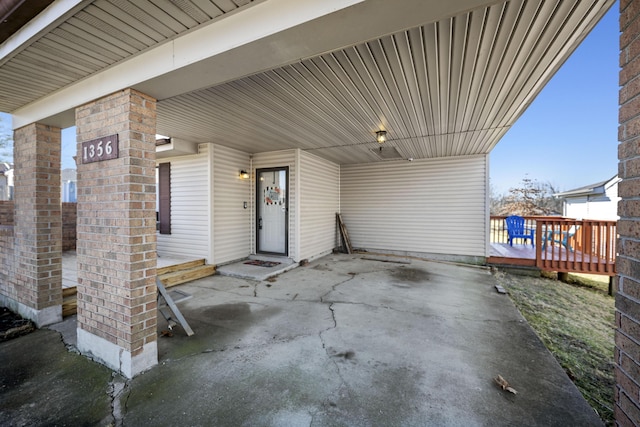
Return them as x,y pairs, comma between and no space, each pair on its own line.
576,322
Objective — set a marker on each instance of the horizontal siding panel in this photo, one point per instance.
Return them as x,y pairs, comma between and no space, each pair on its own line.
189,209
319,202
232,223
432,206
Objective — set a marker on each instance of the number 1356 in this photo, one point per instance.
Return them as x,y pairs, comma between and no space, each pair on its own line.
100,149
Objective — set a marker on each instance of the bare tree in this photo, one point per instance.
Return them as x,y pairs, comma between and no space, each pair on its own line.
531,197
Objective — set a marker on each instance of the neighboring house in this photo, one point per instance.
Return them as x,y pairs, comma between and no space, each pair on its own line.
595,201
68,180
6,181
67,183
294,93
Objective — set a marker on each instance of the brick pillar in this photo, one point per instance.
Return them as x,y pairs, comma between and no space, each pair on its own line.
627,351
116,245
38,224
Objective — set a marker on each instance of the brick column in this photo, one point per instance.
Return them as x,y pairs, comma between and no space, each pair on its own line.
38,224
627,351
116,244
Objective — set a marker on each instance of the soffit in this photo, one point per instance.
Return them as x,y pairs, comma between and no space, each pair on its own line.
449,88
446,88
97,36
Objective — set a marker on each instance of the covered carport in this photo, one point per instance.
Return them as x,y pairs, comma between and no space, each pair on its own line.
443,79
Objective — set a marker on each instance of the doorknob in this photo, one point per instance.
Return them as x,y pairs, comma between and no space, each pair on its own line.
260,223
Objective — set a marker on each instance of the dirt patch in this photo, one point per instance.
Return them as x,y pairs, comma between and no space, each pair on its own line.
12,325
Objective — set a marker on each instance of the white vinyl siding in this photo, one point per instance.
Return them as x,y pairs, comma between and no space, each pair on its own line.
232,223
189,208
276,159
319,201
597,207
435,206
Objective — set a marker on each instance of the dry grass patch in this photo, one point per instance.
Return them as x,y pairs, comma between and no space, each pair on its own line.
576,323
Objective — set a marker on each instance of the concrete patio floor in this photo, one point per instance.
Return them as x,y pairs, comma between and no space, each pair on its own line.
348,340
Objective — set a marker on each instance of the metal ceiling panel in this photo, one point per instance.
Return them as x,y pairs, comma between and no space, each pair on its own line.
449,88
103,33
446,88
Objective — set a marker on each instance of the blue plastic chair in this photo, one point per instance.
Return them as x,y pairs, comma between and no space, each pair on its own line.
517,230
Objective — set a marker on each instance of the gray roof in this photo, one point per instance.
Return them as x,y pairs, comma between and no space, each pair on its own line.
587,190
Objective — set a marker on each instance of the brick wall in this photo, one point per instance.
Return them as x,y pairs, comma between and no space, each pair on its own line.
7,262
69,222
116,245
69,217
38,221
627,351
6,212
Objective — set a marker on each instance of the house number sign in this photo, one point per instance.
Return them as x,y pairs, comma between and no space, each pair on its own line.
100,149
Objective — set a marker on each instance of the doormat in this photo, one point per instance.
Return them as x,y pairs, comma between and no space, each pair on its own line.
262,263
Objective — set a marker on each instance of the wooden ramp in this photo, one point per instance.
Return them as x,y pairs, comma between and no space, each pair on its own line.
169,276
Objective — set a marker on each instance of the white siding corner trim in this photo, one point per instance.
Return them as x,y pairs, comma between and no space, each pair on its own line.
435,206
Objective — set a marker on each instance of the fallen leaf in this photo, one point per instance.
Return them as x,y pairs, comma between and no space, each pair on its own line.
503,384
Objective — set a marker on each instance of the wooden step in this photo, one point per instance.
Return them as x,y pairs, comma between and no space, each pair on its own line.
171,275
160,271
69,307
69,292
69,301
187,275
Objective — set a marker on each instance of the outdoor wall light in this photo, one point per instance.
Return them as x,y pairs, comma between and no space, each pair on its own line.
244,174
381,136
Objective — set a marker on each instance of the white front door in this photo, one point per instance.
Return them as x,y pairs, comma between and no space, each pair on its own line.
272,210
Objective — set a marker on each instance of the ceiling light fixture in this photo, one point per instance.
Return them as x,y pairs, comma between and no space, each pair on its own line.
381,136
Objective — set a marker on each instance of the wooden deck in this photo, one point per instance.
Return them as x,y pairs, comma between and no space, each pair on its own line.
554,258
593,244
519,255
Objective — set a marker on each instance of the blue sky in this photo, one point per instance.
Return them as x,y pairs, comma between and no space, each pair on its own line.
568,135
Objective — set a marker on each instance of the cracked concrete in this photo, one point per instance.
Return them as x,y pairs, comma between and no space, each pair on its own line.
346,340
118,387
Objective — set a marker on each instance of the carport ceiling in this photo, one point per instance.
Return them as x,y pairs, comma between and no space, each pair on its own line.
447,87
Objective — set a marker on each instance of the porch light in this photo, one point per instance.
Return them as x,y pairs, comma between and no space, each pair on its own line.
381,136
244,174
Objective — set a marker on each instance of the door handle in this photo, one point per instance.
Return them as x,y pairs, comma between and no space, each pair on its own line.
260,223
